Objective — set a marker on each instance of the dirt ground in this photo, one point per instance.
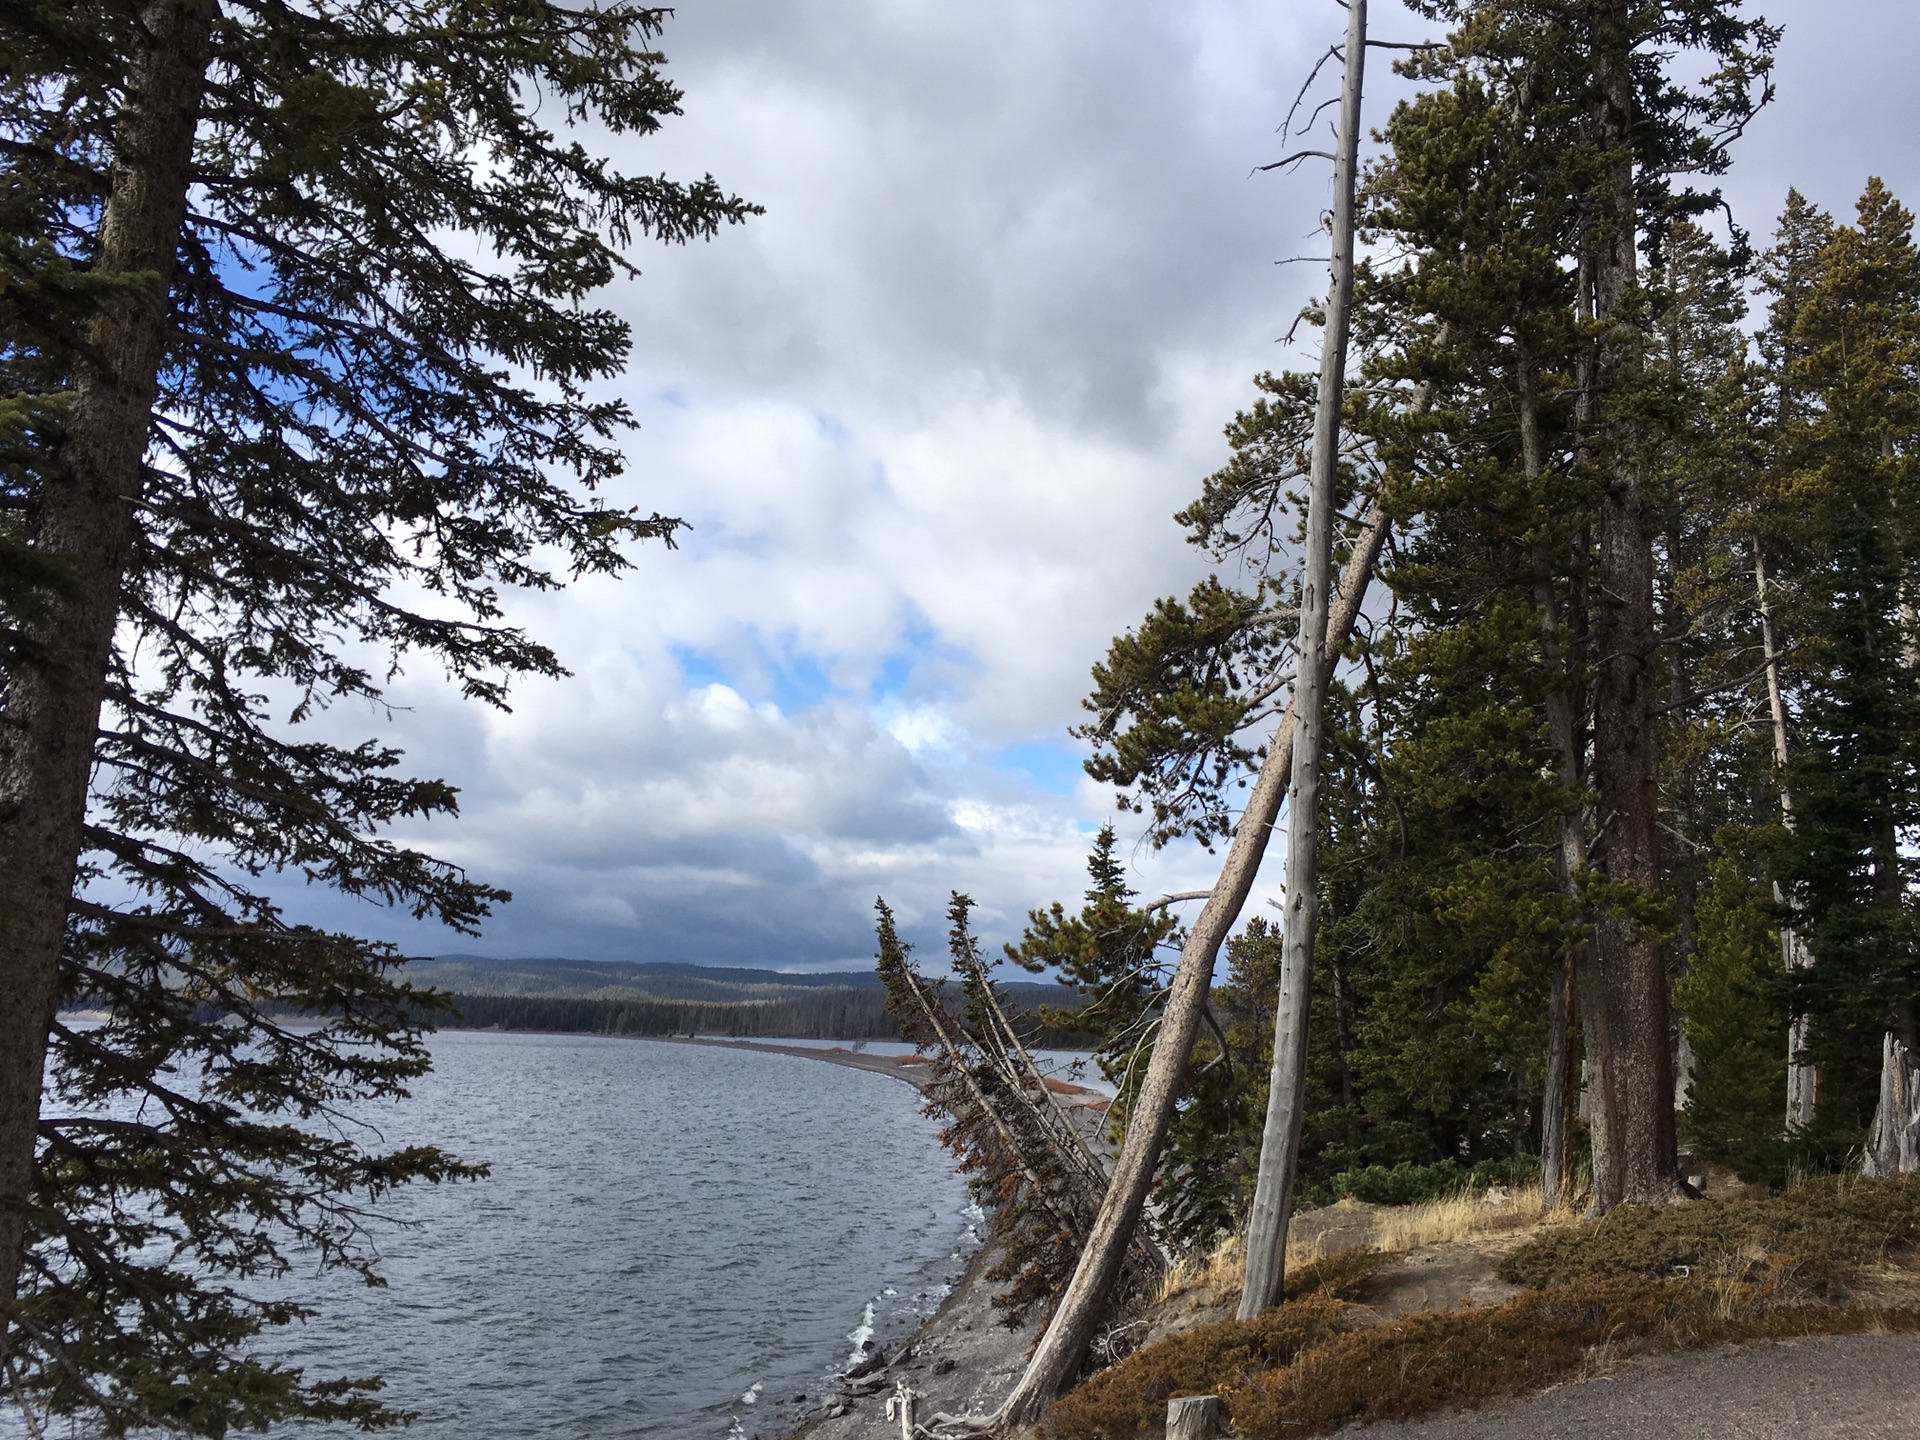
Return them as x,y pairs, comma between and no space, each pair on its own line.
1848,1387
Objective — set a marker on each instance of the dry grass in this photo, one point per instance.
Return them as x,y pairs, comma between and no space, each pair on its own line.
1395,1230
1461,1217
1314,1365
1223,1269
1818,1241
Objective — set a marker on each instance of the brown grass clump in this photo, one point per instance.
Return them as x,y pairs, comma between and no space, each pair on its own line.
1464,1358
1702,1273
1130,1399
1309,1367
1459,1217
1456,1217
1813,1241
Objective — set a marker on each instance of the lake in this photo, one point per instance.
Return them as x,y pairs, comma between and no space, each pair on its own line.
676,1240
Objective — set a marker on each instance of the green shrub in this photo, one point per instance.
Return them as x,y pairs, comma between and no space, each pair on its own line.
1409,1184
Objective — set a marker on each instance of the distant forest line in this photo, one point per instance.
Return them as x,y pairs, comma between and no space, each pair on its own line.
836,1014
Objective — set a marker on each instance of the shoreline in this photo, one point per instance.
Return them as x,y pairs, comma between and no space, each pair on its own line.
898,1067
960,1359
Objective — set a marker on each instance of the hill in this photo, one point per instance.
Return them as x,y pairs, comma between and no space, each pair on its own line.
559,978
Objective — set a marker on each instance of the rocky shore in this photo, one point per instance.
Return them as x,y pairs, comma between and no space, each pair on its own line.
962,1361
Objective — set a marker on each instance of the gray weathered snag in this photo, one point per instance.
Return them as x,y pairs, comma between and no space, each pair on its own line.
1193,1417
1793,950
1057,1357
1286,1094
1893,1143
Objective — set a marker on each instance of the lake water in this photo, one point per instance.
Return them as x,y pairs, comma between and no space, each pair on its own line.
676,1240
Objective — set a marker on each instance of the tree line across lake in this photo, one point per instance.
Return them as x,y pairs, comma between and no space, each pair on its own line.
852,1013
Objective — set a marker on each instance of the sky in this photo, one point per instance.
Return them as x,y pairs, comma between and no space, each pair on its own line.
929,417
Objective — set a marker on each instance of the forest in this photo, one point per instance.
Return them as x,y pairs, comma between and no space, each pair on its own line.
1608,829
1569,612
830,1013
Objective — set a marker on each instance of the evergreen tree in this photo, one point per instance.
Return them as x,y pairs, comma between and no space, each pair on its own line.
296,375
1850,315
1116,957
1026,1162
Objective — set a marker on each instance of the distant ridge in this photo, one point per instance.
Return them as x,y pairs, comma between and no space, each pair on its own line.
651,980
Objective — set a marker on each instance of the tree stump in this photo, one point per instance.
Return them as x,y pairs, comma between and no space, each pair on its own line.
1193,1417
1893,1144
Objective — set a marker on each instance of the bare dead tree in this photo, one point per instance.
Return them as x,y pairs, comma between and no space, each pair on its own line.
1793,949
1286,1094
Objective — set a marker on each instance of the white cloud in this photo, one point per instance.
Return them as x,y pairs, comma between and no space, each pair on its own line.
929,417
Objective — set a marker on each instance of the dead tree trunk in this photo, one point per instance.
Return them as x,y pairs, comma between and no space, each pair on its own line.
1286,1093
1056,1360
1568,746
1801,1081
83,517
1893,1144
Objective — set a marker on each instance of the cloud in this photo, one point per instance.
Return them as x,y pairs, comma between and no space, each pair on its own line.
929,417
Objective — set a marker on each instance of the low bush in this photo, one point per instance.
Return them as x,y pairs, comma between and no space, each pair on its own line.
1409,1184
1130,1398
1810,1241
1312,1366
1701,1273
1464,1358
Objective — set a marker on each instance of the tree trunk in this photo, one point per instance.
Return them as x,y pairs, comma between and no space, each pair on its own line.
1567,744
1056,1360
1286,1091
1193,1417
85,517
1554,1130
1893,1144
1793,950
1630,1029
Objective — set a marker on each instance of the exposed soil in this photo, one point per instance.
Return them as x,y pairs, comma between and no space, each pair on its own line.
1847,1387
1440,1277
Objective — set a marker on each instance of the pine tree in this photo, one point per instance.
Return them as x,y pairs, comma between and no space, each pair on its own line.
1848,322
1026,1162
1116,958
298,365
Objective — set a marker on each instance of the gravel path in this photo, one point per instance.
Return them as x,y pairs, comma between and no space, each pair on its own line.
1850,1387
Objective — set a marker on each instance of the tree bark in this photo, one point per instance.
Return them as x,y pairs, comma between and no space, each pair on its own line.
1193,1417
1893,1142
1630,1030
1566,742
1286,1091
84,517
1793,950
1056,1360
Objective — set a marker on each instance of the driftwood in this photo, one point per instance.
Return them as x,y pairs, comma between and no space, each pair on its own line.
902,1405
1193,1417
1893,1144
